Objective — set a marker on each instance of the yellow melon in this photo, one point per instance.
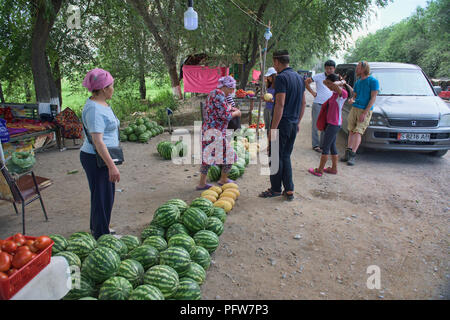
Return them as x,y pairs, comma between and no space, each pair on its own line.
229,194
229,185
216,189
226,205
235,191
211,198
210,193
230,200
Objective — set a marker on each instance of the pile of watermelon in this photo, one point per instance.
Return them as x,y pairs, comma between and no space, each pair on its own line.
169,150
141,131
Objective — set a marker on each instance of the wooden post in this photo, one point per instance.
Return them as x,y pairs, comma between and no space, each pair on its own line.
261,94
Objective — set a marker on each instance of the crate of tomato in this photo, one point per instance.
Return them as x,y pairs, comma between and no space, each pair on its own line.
21,259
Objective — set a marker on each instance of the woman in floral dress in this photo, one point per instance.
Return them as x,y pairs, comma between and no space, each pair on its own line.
216,149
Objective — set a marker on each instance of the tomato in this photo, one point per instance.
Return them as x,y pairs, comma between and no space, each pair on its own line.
5,261
28,242
9,246
11,272
3,276
19,239
21,259
42,242
22,248
33,248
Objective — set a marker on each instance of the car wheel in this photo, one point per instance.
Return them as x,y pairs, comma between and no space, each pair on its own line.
438,153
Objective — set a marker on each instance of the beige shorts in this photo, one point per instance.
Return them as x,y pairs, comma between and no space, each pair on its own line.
354,125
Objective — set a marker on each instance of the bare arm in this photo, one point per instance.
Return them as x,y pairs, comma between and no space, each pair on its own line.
334,86
308,87
373,95
303,108
97,139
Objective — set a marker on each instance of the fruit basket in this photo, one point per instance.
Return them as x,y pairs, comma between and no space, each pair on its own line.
10,286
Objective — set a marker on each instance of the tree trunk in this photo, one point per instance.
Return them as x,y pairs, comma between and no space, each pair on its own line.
39,60
2,98
142,88
58,81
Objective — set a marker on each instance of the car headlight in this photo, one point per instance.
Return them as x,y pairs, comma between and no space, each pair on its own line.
378,120
445,121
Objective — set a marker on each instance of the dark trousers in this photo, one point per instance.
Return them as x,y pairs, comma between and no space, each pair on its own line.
102,194
287,133
329,139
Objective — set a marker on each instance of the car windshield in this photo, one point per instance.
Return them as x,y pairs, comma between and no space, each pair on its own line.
402,82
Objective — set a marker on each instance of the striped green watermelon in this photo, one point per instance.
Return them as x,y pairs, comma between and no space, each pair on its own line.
182,206
131,270
241,168
188,289
175,257
81,246
72,258
166,215
81,234
195,272
147,255
158,242
215,225
101,264
146,292
214,173
247,158
60,243
194,219
82,287
207,239
152,230
184,241
202,257
219,213
234,172
175,229
132,242
109,241
203,204
115,288
163,277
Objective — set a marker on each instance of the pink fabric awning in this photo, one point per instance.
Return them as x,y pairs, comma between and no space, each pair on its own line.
201,79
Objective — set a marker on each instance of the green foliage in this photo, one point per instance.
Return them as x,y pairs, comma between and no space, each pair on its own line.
422,39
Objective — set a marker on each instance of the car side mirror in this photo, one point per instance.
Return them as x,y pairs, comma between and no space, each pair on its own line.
438,89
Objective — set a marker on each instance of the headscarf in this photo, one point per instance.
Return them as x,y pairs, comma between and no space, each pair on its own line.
97,79
227,81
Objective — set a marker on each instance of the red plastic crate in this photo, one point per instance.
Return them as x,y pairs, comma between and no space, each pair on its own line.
9,287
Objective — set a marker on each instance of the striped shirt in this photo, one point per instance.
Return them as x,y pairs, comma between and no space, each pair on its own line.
230,101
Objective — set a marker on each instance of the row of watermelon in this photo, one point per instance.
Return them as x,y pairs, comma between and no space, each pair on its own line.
141,130
169,150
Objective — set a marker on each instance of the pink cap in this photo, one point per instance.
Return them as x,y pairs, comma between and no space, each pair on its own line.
97,79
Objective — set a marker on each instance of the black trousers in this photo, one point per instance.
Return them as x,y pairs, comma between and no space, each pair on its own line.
329,139
102,194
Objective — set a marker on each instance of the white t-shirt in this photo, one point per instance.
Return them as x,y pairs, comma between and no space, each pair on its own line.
323,93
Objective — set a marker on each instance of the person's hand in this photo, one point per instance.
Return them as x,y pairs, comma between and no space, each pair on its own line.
314,94
362,117
114,174
351,100
298,126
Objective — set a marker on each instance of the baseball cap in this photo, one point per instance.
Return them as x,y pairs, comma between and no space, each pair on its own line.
270,72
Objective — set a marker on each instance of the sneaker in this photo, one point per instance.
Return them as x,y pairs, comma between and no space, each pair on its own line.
112,231
346,155
351,158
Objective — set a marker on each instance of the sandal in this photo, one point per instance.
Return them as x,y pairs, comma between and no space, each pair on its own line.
329,170
228,181
315,172
317,149
206,187
269,194
289,197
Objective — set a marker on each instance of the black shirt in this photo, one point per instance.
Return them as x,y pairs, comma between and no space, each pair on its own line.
292,84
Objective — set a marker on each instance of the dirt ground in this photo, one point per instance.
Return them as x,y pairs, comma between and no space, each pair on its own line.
390,210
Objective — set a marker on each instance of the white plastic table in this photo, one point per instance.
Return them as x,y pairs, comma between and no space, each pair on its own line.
52,283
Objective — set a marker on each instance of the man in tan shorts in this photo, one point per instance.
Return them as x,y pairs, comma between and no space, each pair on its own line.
363,100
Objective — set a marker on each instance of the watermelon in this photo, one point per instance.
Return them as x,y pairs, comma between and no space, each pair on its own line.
147,255
131,270
152,230
203,204
140,130
164,277
81,234
219,213
132,242
146,292
247,158
215,225
115,288
148,125
184,241
182,206
188,289
207,239
132,137
175,257
133,127
72,258
139,121
202,257
109,241
82,287
144,137
195,272
175,229
158,242
194,219
241,167
167,151
234,172
101,264
60,243
161,129
81,246
214,173
128,131
166,215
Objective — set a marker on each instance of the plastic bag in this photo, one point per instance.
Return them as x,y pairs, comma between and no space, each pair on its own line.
4,134
24,160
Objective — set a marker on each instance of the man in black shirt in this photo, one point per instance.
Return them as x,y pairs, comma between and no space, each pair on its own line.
287,113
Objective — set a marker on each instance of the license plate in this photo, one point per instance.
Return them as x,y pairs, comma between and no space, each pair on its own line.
414,136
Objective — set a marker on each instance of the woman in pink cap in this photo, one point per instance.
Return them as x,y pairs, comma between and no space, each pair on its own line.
102,128
217,114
